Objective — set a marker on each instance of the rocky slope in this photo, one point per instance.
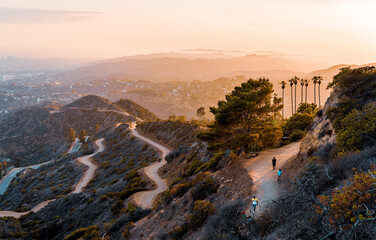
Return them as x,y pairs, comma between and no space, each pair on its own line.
321,133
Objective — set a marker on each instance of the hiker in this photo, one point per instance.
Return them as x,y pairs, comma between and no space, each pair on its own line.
254,203
274,162
279,175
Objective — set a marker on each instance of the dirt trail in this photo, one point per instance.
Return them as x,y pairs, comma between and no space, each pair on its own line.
145,199
88,175
264,177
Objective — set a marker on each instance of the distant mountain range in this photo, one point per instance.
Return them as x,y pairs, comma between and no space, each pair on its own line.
203,65
189,67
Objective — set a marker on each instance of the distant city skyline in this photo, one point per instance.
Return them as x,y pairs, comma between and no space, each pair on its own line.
329,31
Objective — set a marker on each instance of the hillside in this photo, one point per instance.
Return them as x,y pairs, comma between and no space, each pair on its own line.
36,134
327,190
136,110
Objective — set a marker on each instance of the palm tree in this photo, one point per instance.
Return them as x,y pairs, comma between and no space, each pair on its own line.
319,79
302,85
291,81
283,84
295,80
314,79
306,87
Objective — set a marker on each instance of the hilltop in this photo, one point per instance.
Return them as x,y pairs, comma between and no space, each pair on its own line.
136,110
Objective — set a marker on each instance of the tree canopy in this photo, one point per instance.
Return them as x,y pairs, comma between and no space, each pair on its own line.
241,118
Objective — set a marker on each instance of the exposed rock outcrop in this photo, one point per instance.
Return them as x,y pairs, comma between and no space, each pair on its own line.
321,131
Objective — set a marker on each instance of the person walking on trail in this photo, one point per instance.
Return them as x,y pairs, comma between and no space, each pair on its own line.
279,173
274,162
254,203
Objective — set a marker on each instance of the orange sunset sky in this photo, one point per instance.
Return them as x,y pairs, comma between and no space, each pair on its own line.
335,31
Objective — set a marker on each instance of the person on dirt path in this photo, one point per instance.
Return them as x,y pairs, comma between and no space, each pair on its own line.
254,203
279,173
274,162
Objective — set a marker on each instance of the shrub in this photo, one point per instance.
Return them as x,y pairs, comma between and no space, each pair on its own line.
130,208
117,206
201,211
190,169
225,224
349,203
90,233
358,129
212,165
298,121
204,188
296,135
144,147
103,198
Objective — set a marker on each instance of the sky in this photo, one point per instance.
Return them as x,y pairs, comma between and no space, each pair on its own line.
337,31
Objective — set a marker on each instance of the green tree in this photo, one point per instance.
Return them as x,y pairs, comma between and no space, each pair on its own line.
309,108
82,136
201,112
300,120
271,135
71,134
241,118
359,129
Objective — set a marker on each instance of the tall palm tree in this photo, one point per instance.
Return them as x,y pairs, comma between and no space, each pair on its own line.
314,79
306,82
295,80
301,94
291,81
319,79
283,84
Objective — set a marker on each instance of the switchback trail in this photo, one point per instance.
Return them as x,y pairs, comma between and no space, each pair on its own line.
7,179
145,199
88,175
260,169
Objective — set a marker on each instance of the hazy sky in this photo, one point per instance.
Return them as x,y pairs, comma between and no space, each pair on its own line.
343,30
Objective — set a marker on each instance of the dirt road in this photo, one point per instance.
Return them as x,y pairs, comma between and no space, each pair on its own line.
260,169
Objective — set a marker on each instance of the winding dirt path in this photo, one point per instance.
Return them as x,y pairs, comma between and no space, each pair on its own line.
145,199
260,169
88,175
